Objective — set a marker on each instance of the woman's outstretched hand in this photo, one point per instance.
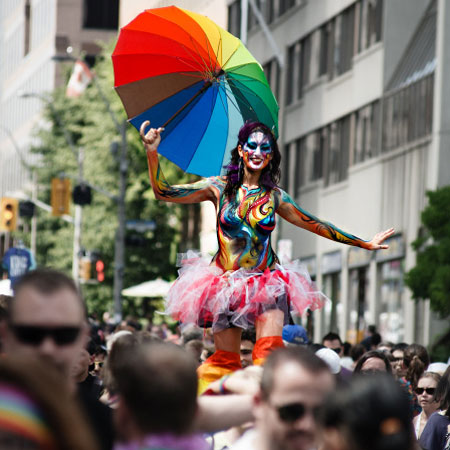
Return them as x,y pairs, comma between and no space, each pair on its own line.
152,137
375,243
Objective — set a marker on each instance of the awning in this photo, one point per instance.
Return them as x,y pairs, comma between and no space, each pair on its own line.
154,288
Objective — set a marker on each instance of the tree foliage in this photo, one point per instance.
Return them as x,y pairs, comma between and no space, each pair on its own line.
91,127
430,278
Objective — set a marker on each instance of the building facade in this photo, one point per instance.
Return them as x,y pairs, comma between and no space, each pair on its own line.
364,133
32,32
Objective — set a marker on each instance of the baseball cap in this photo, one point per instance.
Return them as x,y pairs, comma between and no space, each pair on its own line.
331,358
295,334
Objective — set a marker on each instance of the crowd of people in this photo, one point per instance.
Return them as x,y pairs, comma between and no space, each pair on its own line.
72,382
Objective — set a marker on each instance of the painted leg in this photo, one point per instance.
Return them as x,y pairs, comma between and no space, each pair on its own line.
269,328
226,358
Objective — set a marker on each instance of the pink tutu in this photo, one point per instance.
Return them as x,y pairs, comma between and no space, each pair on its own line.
203,294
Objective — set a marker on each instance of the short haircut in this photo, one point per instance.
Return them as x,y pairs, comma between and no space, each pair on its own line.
400,346
373,354
45,281
301,356
331,337
249,335
158,383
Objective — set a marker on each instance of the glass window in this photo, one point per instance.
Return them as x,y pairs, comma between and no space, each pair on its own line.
101,14
332,311
272,72
358,304
234,18
391,314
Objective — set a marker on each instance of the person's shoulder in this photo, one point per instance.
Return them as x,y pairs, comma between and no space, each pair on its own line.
439,419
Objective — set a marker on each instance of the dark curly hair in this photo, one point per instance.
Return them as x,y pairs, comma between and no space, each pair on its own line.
270,176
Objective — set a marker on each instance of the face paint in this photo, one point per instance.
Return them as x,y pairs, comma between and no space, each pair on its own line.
257,151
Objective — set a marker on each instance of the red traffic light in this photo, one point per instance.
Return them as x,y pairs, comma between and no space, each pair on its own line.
99,268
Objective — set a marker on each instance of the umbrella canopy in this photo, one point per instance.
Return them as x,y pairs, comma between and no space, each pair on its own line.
183,72
155,288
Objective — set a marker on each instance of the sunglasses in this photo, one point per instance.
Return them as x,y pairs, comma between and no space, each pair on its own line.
397,360
292,412
33,335
429,391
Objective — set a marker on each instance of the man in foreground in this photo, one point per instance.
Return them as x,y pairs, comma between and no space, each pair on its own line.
294,384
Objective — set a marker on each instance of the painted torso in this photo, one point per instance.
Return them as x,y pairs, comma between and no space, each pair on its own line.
244,225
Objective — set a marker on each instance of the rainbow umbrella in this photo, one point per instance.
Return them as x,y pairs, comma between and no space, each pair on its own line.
183,72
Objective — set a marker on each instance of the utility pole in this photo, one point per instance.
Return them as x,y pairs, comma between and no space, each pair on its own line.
78,221
119,251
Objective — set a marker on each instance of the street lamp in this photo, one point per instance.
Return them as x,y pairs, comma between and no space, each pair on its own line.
79,155
119,245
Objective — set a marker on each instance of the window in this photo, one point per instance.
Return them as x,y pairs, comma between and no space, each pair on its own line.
252,20
101,14
234,18
408,114
287,167
367,125
324,42
346,40
27,28
272,72
338,151
370,23
305,66
292,73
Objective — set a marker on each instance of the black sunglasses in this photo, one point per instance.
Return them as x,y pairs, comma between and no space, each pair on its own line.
33,335
429,391
292,412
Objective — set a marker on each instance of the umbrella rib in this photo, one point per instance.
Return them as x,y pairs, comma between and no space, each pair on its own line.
206,72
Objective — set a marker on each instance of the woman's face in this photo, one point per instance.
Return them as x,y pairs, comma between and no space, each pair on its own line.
257,151
425,391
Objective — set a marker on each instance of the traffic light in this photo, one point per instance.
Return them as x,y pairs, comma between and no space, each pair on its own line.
82,194
8,214
60,196
26,208
85,268
100,270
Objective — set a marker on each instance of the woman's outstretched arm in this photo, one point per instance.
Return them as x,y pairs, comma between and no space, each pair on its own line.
290,211
200,191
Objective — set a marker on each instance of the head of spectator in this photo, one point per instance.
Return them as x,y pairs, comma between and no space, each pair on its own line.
442,394
80,370
165,408
47,320
425,391
248,339
294,384
437,367
385,346
373,361
398,365
37,409
416,360
356,352
347,348
331,358
372,339
195,348
189,333
371,413
333,341
294,335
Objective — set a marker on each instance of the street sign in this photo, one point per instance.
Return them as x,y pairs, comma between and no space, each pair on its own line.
141,225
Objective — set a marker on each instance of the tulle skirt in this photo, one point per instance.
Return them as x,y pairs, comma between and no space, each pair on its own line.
203,294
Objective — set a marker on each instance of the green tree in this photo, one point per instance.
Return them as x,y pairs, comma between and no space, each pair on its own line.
91,128
430,278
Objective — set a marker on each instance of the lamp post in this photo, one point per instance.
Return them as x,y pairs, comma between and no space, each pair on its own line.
79,156
119,244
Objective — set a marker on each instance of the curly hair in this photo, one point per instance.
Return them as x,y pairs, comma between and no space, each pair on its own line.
270,176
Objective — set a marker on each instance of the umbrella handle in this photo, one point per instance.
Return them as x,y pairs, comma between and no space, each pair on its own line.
205,87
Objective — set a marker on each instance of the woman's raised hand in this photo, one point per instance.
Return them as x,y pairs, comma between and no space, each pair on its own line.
152,137
375,243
